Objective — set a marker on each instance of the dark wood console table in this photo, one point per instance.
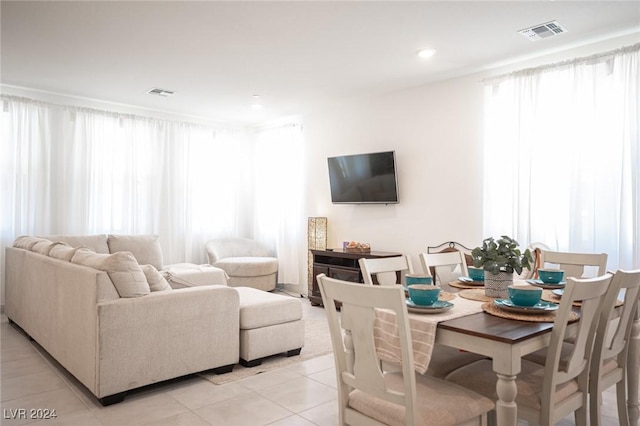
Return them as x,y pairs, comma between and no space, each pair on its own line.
341,265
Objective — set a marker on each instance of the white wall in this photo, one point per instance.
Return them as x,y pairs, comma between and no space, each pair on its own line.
436,131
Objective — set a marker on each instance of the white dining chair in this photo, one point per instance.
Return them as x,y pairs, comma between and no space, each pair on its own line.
384,269
547,393
610,352
447,266
367,393
574,264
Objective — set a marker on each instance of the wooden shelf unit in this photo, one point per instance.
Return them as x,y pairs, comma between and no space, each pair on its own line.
340,265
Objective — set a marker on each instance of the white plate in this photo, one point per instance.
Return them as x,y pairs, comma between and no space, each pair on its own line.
540,307
546,286
559,292
470,281
437,307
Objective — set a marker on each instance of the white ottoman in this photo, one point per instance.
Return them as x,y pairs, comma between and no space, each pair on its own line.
270,324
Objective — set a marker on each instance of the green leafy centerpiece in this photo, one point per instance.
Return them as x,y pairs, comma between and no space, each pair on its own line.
500,259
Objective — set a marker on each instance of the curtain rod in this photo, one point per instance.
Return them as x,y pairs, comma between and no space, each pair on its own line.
592,59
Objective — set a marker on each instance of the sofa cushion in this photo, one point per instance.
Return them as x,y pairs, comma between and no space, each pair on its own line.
261,309
122,267
97,243
26,242
145,248
155,279
248,266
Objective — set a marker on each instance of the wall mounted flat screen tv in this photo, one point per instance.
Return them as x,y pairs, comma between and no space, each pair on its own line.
364,178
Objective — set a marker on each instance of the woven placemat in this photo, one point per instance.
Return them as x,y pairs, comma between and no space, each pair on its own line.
460,284
445,296
492,309
476,294
548,296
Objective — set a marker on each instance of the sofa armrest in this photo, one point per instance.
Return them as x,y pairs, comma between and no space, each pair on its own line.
164,335
183,275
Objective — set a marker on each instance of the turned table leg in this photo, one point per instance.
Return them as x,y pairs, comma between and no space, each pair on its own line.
633,371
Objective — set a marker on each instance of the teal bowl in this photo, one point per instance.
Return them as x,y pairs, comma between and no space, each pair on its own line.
522,295
424,294
411,279
476,274
551,276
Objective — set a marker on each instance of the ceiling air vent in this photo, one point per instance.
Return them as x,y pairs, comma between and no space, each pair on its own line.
161,92
541,31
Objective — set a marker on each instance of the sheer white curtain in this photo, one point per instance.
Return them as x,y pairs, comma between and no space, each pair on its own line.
278,199
562,156
81,171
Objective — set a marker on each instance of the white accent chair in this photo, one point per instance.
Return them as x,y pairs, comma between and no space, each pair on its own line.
247,262
549,392
368,394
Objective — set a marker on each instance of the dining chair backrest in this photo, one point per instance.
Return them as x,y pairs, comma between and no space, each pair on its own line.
352,337
573,264
444,267
384,269
452,246
559,371
610,351
536,252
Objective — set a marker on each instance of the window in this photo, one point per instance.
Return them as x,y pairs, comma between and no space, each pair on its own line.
562,156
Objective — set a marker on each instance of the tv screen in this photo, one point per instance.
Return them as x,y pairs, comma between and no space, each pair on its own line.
364,178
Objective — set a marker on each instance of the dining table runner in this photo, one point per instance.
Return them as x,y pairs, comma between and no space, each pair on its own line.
423,332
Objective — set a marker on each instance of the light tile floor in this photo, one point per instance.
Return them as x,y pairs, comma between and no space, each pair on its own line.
299,395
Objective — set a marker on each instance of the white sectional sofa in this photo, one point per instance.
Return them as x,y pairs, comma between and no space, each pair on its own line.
112,323
101,307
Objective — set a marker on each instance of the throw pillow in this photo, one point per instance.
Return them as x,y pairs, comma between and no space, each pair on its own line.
145,248
155,279
63,251
42,247
124,271
97,243
26,242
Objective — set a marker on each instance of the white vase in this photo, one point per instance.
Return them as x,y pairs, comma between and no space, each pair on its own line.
495,285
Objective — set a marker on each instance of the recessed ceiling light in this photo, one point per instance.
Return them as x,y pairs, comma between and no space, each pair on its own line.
426,53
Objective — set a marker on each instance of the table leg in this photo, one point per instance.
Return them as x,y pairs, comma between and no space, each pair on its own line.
633,371
506,408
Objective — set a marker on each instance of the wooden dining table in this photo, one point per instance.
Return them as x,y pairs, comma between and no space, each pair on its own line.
506,341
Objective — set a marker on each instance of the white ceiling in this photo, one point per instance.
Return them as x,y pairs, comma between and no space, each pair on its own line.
298,56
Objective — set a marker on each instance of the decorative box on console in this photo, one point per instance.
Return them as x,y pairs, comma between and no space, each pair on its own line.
356,247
